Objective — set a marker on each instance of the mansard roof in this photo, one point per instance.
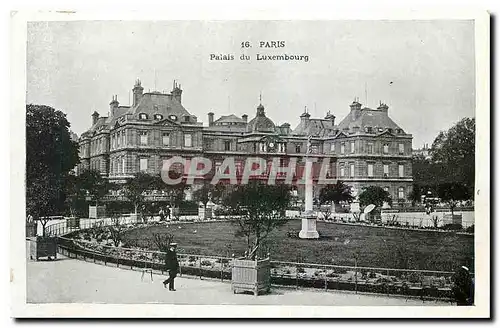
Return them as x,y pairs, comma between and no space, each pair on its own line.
158,103
316,127
230,119
367,117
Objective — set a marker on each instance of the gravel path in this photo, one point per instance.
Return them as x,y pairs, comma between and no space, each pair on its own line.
75,281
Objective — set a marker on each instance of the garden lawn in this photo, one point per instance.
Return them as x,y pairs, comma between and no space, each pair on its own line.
338,244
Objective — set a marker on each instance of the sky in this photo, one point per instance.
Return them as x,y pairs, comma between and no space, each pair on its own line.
423,70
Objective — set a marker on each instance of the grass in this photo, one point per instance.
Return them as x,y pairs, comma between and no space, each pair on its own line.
339,244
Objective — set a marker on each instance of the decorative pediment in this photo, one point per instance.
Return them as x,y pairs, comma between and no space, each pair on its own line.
167,122
272,139
385,133
341,135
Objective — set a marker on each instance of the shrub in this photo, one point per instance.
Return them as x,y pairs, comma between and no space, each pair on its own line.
452,227
206,263
470,229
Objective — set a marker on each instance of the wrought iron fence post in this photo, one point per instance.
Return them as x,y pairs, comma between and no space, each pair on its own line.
221,270
296,276
355,276
199,266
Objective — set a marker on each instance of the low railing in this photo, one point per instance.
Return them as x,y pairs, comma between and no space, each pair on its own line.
409,283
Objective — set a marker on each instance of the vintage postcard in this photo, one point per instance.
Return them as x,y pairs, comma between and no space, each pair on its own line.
293,164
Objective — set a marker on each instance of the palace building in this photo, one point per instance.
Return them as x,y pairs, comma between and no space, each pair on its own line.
365,148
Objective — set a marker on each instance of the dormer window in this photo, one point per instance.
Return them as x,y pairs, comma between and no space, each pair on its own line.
158,117
369,129
186,119
143,116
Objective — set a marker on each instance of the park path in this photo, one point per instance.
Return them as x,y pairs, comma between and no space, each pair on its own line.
74,281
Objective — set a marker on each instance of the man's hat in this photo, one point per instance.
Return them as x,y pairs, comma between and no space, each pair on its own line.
173,244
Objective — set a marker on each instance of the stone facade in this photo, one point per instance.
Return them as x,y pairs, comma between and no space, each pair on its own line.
365,148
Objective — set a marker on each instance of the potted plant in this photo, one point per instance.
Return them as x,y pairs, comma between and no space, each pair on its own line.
257,210
43,246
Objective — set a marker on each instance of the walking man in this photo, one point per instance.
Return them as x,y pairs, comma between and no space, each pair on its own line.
172,266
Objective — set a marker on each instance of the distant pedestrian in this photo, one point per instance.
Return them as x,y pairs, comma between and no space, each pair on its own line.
162,214
463,287
172,266
167,213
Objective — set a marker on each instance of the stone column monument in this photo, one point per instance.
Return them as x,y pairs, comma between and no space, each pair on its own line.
309,216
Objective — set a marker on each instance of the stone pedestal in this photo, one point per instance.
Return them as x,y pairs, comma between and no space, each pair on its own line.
309,218
308,230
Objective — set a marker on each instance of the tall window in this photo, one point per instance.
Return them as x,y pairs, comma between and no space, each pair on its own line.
342,171
386,149
342,148
352,147
144,137
401,149
143,164
369,148
123,164
227,145
188,141
386,170
332,147
123,138
401,170
370,170
297,149
166,139
352,170
401,193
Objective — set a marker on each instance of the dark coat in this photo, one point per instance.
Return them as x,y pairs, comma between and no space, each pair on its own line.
463,288
171,262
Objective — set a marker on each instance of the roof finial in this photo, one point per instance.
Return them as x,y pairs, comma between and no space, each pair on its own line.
260,97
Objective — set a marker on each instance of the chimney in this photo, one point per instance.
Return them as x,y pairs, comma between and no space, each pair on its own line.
331,117
355,108
383,107
137,90
95,116
113,105
210,119
177,92
304,119
245,117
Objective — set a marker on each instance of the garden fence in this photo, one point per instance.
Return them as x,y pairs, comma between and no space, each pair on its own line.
424,284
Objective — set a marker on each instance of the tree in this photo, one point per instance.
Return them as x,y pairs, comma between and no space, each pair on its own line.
50,156
452,193
135,188
209,192
93,184
336,193
453,153
374,195
259,209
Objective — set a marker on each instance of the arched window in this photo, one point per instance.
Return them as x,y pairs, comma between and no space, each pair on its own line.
158,117
143,116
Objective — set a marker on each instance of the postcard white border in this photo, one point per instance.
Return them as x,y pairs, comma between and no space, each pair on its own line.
306,12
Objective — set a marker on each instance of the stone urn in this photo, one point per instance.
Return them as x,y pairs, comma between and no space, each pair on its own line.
251,275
